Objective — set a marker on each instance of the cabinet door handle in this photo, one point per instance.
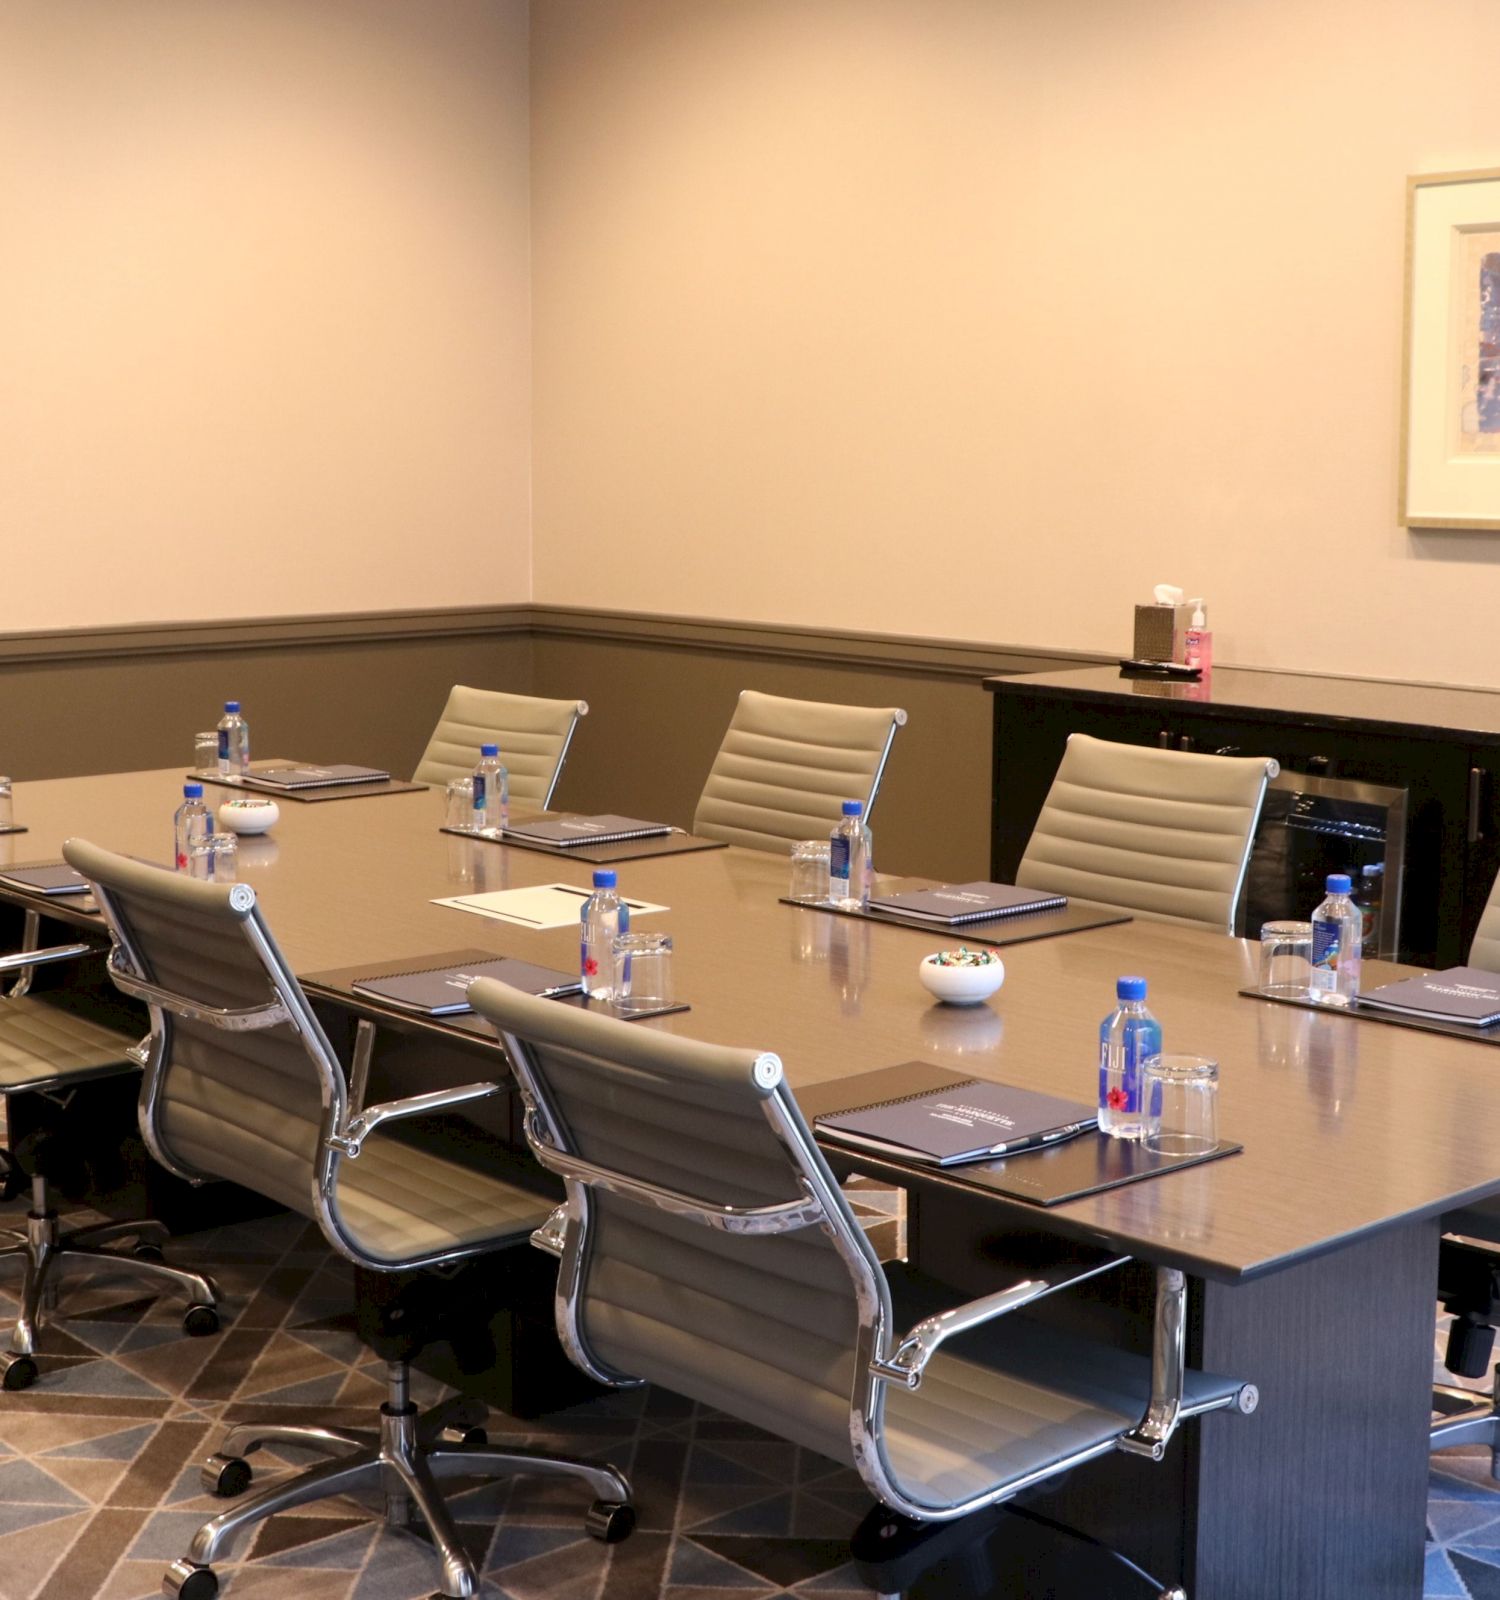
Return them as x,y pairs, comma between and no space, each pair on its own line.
1476,804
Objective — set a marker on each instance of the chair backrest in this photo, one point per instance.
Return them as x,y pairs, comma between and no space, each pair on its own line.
1485,950
786,766
533,736
249,1086
1163,834
758,1315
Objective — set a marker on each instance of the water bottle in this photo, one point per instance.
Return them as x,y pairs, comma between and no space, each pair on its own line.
850,860
191,821
1337,938
491,790
1128,1037
603,916
1371,897
234,742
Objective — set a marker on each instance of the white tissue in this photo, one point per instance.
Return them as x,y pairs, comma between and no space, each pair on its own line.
1167,594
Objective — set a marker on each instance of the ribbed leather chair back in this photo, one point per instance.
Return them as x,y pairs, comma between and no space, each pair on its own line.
1163,834
533,736
760,1326
786,766
1485,950
247,1106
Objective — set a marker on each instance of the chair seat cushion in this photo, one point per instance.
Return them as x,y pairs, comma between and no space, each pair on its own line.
42,1044
1021,1396
404,1203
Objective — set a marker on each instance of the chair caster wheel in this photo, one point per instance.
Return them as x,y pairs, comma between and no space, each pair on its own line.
147,1251
610,1521
465,1436
186,1581
16,1372
224,1476
198,1321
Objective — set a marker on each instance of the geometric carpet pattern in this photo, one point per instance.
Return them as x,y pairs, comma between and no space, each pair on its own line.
99,1464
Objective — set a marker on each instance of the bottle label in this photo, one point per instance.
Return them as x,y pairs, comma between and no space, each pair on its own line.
479,799
223,744
838,861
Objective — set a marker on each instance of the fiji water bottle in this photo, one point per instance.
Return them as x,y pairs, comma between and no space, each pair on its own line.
234,742
1128,1037
491,791
850,860
1337,937
603,916
191,821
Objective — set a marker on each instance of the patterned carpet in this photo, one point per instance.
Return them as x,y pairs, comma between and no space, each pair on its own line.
99,1487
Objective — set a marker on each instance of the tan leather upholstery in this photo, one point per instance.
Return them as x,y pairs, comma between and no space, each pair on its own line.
533,736
1163,834
766,1327
1485,950
252,1106
42,1043
786,767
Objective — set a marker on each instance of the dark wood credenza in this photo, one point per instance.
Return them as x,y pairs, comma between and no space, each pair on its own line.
1441,745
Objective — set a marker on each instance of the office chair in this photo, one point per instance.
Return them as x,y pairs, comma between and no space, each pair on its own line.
48,1049
786,767
1469,1278
242,1083
1163,834
705,1246
533,735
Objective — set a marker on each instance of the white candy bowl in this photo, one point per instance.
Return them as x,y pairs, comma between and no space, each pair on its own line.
248,815
963,985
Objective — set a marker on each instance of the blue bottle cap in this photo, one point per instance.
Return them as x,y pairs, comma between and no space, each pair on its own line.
1130,988
854,808
1338,883
604,877
192,791
489,750
232,705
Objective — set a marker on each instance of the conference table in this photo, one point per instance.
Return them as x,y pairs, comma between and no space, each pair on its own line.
1312,1254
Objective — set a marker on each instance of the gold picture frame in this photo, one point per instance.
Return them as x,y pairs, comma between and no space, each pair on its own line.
1450,368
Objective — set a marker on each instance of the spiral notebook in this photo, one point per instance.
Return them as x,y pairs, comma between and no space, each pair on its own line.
442,991
46,877
566,831
954,904
971,1120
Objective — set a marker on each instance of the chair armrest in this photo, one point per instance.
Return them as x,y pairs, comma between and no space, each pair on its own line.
924,1341
41,958
552,1234
349,1139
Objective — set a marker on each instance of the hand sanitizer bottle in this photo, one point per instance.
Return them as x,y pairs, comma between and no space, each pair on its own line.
1199,641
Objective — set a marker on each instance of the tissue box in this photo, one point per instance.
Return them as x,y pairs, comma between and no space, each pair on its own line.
1159,632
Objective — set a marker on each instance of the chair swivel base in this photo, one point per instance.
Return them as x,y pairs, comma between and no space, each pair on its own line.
44,1248
405,1458
1466,1416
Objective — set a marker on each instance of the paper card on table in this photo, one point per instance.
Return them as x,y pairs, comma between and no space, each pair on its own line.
547,905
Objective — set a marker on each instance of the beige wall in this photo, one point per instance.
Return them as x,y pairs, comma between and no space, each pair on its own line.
264,307
1023,306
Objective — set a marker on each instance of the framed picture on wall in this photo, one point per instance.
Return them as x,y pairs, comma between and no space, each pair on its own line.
1450,425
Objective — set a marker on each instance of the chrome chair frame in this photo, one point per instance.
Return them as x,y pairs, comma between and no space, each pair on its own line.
882,1357
410,1451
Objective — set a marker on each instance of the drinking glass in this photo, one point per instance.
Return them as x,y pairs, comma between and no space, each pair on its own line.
643,964
810,871
1181,1097
460,804
1286,960
206,754
214,857
7,813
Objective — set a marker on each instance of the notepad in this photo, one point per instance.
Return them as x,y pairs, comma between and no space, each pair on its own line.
548,905
1461,994
565,831
967,1121
46,877
442,991
955,903
309,777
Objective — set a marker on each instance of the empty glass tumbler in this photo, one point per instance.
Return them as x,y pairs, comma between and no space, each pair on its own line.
206,754
644,964
460,813
214,856
7,812
810,871
1181,1098
1286,960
